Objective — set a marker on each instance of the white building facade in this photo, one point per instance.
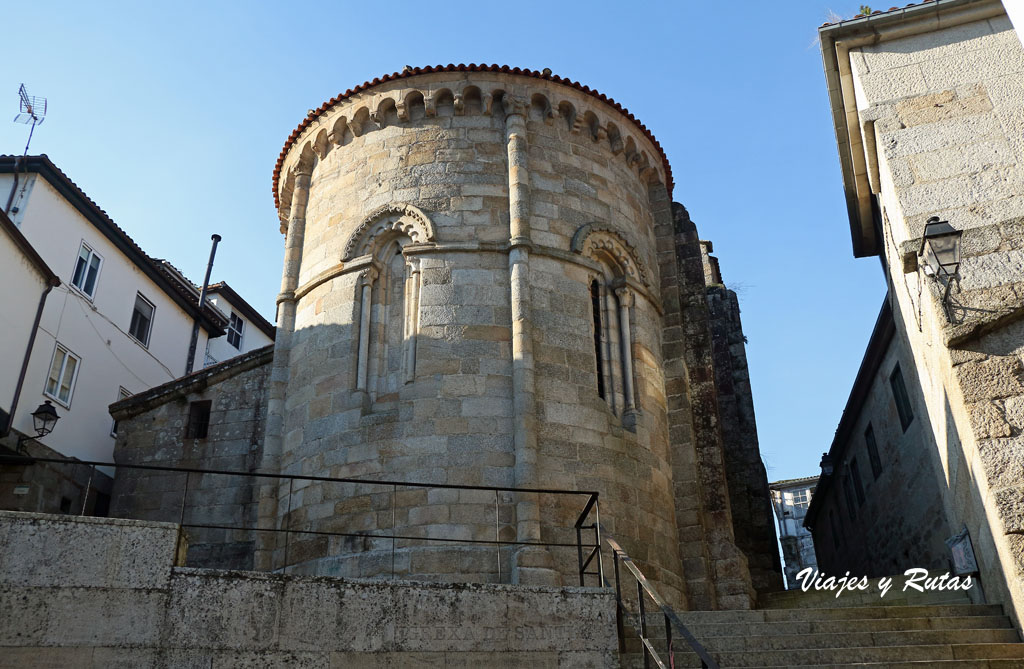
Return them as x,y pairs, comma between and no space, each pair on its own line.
246,330
790,499
116,325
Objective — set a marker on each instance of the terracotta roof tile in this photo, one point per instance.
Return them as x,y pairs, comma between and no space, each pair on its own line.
411,72
876,13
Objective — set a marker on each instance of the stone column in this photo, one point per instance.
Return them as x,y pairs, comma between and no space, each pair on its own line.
626,299
274,438
532,566
365,311
412,317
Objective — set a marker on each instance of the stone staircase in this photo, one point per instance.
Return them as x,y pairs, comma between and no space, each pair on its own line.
814,629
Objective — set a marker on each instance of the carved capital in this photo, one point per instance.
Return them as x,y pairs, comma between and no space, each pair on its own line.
428,103
626,297
514,105
368,276
402,110
460,105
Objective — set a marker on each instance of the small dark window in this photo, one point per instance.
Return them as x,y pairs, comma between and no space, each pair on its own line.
876,462
899,393
595,302
65,505
851,508
101,505
858,486
142,320
198,419
835,527
236,329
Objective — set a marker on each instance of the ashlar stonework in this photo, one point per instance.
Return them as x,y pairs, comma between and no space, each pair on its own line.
486,282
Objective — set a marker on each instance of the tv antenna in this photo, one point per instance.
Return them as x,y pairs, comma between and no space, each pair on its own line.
32,110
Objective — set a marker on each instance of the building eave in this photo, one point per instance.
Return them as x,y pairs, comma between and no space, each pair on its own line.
243,307
836,41
26,248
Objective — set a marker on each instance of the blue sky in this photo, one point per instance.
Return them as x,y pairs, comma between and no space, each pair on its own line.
171,118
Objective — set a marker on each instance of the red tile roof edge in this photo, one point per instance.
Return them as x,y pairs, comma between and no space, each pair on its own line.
504,69
876,12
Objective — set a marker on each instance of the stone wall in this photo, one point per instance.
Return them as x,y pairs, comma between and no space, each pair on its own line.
749,497
50,487
152,431
452,227
91,592
941,112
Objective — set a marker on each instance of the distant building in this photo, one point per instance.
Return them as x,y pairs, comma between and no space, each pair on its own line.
115,322
790,499
247,330
927,105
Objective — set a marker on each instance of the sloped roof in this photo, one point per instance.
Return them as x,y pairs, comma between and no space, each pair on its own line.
211,320
504,69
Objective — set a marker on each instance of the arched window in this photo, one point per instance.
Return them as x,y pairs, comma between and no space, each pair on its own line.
612,300
388,295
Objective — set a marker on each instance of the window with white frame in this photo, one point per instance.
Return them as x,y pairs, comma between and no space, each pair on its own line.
236,328
801,498
87,270
63,371
121,395
142,319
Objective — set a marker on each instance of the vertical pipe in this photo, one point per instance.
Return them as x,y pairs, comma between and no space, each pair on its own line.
88,487
394,501
497,535
194,342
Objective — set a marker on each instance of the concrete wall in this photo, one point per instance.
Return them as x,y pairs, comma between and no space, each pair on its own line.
94,329
942,116
86,592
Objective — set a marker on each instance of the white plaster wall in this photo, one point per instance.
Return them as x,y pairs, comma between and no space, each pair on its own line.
252,337
95,330
23,286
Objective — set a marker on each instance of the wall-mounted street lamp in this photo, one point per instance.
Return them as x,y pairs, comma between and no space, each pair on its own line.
940,248
826,464
44,418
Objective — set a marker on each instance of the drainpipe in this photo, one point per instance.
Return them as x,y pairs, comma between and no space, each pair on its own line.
28,354
202,301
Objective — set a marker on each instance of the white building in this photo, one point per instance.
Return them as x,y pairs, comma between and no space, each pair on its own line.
118,323
790,499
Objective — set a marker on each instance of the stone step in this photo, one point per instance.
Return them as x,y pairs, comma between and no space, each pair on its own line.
839,613
856,656
927,664
846,640
701,630
819,599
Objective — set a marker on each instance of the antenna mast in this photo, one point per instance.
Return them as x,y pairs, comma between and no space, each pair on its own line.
32,110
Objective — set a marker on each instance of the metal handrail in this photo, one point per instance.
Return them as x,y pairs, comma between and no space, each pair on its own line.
672,620
591,504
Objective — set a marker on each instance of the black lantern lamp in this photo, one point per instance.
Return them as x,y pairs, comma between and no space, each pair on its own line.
44,418
940,247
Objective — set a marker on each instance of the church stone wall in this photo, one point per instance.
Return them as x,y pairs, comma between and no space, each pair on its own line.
420,168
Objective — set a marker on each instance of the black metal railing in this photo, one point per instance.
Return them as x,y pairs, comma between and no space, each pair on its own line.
645,591
592,550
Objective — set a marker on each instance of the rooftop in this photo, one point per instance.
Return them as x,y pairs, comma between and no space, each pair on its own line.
505,69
